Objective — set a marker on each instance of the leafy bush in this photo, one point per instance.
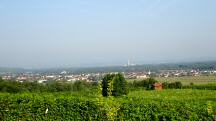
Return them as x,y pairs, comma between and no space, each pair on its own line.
146,110
105,84
147,83
46,107
114,85
119,85
35,107
53,86
201,87
173,85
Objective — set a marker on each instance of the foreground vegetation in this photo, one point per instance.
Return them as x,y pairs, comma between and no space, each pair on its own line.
85,101
138,105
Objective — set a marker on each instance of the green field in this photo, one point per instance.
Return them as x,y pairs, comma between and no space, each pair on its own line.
175,94
181,105
197,80
186,80
84,101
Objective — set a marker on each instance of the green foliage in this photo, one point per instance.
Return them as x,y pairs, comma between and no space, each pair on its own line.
146,110
201,87
107,105
11,86
174,85
119,85
47,107
53,86
187,80
147,83
73,102
169,105
114,85
105,84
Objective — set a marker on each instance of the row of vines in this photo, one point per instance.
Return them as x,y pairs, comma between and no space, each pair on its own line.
41,107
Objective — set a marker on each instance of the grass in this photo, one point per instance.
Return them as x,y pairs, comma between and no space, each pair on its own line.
196,80
176,94
168,94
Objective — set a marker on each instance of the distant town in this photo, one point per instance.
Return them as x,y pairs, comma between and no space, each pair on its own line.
94,77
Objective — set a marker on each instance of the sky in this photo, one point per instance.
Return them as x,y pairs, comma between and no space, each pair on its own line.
80,33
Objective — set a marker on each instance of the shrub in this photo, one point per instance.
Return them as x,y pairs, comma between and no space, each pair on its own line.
12,86
47,107
165,85
175,85
105,84
114,85
147,83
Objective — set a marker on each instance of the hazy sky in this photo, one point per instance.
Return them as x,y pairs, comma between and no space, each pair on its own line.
61,33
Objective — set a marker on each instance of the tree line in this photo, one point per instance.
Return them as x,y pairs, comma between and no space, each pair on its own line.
111,84
13,86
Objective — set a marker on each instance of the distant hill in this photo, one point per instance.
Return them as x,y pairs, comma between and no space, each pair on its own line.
153,67
209,65
12,70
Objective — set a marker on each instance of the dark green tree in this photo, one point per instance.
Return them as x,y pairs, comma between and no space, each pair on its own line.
118,83
120,86
105,84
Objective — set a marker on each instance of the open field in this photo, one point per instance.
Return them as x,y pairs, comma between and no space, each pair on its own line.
176,94
182,105
196,80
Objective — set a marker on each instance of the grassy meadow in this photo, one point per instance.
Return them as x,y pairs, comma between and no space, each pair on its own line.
186,80
197,80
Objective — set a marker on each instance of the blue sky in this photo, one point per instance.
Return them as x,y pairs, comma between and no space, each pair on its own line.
74,33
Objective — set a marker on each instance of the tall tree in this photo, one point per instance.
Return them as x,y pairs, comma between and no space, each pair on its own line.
114,84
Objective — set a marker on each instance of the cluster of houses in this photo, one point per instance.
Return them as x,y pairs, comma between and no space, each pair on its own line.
137,75
43,78
91,77
180,73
